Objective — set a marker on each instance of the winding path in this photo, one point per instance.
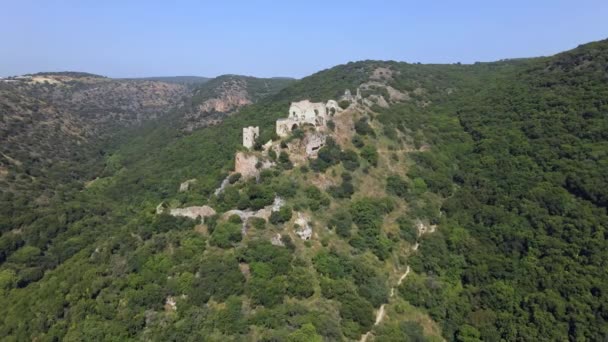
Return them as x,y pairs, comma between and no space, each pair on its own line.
381,312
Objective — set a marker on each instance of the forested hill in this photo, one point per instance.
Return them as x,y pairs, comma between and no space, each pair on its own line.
457,202
55,127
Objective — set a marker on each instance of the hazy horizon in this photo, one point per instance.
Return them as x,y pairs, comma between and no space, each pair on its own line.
139,39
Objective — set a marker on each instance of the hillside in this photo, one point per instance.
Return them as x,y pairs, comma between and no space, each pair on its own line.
56,127
429,202
185,80
223,95
54,124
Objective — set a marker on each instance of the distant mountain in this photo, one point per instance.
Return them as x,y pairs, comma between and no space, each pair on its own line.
73,74
186,80
52,122
223,95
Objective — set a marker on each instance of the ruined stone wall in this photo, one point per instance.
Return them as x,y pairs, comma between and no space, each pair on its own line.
306,112
249,135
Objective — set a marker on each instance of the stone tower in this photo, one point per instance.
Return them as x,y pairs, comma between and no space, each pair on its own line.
249,135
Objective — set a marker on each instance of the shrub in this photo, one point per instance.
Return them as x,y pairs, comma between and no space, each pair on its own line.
286,239
219,277
225,235
272,155
358,141
408,230
234,178
342,222
331,125
363,128
345,190
349,159
370,154
300,283
259,196
257,222
396,185
329,155
286,188
315,199
284,161
281,216
235,219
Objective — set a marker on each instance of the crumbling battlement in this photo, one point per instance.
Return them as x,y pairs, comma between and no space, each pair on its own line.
306,112
249,135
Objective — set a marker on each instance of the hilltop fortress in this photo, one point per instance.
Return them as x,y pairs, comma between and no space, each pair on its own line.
301,113
306,112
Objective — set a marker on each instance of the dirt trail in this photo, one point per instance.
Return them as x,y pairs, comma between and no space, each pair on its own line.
381,312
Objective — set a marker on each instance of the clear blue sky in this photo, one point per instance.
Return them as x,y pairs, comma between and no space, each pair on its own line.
281,38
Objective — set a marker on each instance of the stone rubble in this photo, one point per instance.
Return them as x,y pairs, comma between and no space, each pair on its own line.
193,212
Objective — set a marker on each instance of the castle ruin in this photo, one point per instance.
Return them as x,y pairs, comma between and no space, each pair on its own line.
249,135
306,112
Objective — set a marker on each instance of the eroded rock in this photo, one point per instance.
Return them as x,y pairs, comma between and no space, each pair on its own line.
249,165
313,142
193,212
185,186
277,241
304,231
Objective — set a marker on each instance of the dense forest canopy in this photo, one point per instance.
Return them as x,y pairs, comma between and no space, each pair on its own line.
473,207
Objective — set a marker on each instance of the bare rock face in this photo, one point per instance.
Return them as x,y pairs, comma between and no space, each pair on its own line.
397,96
225,103
278,203
193,212
161,208
185,186
314,142
170,304
223,186
262,213
304,231
376,99
276,240
247,165
424,228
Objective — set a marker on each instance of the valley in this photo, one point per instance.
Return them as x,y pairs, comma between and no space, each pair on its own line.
371,201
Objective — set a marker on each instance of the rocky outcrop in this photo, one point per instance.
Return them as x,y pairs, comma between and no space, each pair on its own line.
161,208
277,241
193,212
304,230
249,165
375,100
185,186
262,213
225,103
314,142
397,96
424,228
170,304
245,164
222,186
